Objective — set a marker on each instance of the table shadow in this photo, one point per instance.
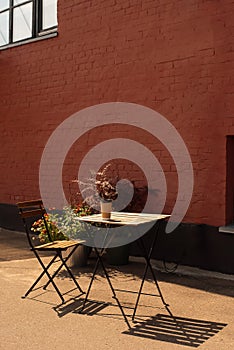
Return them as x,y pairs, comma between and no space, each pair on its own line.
177,330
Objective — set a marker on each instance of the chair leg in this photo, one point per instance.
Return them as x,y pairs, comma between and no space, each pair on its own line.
45,271
59,254
40,276
71,275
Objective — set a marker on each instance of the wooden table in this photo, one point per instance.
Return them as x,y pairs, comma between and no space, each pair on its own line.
131,220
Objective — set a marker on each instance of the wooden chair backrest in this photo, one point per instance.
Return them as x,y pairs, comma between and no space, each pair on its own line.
31,211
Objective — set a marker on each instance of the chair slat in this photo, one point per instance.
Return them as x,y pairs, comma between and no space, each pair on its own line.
29,203
60,245
31,213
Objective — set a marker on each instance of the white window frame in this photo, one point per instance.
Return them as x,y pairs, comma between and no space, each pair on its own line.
37,26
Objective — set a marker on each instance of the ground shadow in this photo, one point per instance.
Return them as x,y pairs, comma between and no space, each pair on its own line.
92,307
134,270
177,330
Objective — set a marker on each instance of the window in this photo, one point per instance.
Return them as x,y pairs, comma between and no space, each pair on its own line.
25,19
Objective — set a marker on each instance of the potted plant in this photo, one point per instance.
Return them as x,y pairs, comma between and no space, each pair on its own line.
99,190
63,226
48,230
107,191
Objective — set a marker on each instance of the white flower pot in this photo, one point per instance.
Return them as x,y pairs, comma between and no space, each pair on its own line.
106,208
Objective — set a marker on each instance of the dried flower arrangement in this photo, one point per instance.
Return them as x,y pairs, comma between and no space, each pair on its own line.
98,187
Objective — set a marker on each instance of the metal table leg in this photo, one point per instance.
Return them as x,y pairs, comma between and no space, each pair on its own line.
114,296
147,256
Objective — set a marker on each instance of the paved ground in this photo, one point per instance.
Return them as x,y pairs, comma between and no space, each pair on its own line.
202,308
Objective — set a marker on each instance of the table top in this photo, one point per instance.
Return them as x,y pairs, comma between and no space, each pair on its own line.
123,218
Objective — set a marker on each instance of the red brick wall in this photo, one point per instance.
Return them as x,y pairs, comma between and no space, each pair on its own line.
174,56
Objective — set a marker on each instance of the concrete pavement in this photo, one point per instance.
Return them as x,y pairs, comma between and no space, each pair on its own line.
202,308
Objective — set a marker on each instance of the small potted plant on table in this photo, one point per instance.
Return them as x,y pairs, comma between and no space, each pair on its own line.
107,192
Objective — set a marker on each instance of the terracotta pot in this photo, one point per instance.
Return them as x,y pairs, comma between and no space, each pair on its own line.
80,257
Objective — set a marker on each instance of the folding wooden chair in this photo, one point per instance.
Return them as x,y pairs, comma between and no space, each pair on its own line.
29,212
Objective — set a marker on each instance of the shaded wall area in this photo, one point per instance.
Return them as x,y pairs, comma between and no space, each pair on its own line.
190,244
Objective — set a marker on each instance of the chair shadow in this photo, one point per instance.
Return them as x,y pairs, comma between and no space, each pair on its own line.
177,330
92,307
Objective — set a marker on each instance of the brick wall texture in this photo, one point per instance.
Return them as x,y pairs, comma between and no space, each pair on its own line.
174,56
